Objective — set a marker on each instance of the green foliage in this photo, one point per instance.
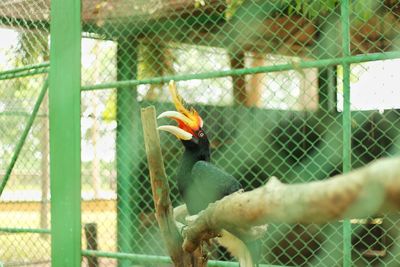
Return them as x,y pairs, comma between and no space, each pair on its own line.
233,5
198,3
155,59
110,111
313,8
362,9
32,48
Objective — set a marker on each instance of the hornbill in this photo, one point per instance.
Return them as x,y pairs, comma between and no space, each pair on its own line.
199,181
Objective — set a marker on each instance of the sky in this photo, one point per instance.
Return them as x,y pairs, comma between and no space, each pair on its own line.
375,85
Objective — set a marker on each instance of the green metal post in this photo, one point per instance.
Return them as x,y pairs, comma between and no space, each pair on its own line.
327,48
64,112
127,150
345,19
327,89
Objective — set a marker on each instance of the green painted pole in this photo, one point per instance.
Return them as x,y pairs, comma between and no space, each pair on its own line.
127,150
345,21
64,113
23,137
327,89
327,48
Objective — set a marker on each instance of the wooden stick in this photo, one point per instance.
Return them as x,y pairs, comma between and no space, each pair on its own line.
159,185
91,240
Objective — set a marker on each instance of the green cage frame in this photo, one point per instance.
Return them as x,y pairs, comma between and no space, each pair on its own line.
64,99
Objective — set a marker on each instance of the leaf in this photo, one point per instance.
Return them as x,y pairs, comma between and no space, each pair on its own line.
363,10
110,112
233,5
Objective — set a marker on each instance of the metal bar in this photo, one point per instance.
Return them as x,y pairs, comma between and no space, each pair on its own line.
65,135
345,25
127,150
245,71
25,71
23,137
327,79
25,68
143,259
20,114
24,230
24,263
24,74
132,257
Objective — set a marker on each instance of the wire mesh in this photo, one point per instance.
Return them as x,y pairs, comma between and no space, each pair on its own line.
24,202
243,66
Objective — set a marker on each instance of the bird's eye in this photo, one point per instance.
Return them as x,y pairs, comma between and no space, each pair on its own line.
201,134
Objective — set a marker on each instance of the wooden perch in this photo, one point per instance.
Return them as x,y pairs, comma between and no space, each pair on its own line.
159,185
373,189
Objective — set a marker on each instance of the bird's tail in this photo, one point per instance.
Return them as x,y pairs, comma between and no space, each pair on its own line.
237,248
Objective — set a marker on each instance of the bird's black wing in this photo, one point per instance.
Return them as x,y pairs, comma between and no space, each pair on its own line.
209,185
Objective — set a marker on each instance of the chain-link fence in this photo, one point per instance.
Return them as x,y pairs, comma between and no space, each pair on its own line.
24,149
300,90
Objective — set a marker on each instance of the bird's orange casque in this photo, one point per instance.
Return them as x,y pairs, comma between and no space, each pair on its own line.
188,119
195,120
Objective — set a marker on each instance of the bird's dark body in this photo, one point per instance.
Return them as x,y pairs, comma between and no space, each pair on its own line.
200,182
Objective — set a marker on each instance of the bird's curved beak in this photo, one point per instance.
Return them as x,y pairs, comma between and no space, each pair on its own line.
189,121
178,132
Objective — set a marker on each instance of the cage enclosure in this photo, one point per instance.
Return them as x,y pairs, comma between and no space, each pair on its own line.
300,90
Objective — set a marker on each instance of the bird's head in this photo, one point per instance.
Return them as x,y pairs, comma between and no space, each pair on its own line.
189,129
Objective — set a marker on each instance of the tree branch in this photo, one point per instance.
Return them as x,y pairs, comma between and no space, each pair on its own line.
367,191
162,202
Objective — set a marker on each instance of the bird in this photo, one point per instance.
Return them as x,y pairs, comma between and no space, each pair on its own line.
199,181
